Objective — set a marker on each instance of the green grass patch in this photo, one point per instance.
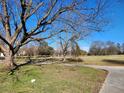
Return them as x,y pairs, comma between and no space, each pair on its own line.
52,79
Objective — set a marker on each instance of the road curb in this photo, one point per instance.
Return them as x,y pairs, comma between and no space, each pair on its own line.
103,85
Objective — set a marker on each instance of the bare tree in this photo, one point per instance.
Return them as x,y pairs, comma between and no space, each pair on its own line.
122,48
24,21
64,42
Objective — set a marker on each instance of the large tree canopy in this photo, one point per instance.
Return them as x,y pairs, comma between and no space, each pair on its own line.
24,21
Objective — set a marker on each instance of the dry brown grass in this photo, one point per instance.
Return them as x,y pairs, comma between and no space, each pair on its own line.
110,60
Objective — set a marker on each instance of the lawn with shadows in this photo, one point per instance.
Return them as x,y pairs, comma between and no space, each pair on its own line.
52,78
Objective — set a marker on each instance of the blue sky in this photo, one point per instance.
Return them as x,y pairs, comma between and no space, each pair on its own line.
113,32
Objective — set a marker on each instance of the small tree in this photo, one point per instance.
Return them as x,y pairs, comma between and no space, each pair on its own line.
64,44
122,48
118,48
96,48
45,50
77,50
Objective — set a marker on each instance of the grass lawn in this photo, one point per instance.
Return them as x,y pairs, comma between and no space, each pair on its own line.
52,79
110,60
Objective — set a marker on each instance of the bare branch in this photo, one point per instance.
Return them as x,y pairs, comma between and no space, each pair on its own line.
4,40
48,12
23,21
33,11
7,24
17,31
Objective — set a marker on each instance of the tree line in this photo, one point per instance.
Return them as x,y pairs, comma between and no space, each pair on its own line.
106,48
43,49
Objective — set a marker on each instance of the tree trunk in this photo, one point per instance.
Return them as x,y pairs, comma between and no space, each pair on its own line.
9,60
64,57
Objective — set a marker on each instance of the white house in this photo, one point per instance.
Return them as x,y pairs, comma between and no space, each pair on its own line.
1,54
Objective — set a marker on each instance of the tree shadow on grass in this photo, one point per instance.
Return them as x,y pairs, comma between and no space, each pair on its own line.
32,62
114,61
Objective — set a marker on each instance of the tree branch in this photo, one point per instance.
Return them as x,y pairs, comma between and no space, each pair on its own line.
7,24
23,21
33,11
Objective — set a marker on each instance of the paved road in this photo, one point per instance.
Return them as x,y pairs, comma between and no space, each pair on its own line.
114,82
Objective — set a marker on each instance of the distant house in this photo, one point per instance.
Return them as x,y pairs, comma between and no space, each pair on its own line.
1,54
